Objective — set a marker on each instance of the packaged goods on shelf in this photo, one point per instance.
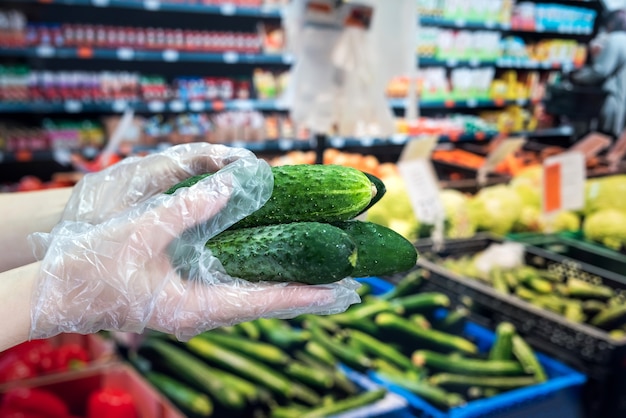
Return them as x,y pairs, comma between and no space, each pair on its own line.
495,11
52,135
541,17
12,28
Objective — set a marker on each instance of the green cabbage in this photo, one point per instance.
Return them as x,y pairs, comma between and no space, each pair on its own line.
605,193
458,222
606,226
394,209
496,209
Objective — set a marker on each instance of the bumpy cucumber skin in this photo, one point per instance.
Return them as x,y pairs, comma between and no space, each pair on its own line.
313,193
187,183
382,251
304,252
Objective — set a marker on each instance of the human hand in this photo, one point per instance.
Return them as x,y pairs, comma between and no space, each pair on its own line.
110,269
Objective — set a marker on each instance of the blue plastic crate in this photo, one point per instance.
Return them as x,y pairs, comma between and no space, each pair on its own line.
558,397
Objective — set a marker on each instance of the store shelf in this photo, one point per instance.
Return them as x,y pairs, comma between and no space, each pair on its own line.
166,6
459,104
463,24
500,63
129,54
154,106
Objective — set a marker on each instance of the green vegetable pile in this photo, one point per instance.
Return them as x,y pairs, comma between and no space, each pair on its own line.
557,289
290,368
306,231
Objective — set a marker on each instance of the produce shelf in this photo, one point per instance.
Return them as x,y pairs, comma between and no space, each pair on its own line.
499,63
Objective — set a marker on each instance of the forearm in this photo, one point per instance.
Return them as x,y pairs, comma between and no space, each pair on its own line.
25,213
16,287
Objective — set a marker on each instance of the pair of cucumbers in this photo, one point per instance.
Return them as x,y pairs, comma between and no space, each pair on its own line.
306,231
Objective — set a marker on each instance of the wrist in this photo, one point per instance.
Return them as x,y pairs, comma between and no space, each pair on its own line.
16,293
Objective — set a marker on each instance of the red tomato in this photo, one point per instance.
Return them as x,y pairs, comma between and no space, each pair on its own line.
13,367
33,402
29,184
111,403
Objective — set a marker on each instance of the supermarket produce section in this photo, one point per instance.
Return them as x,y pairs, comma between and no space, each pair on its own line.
497,308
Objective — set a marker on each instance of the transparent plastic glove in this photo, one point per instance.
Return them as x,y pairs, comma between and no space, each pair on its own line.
111,270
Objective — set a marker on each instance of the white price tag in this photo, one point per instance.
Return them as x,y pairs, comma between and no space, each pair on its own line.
472,103
196,106
502,150
151,4
521,102
459,23
423,189
281,104
125,54
398,139
231,57
156,106
418,148
474,62
170,55
287,58
228,9
490,24
62,156
451,62
73,106
118,106
100,3
177,106
564,182
44,51
367,142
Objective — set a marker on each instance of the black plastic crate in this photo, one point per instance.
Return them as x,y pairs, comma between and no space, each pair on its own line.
584,347
576,248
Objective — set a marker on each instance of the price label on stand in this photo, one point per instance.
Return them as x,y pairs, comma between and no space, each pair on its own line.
503,149
564,182
591,145
420,179
44,51
125,54
170,55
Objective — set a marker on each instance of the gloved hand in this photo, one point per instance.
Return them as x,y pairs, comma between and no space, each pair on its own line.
106,265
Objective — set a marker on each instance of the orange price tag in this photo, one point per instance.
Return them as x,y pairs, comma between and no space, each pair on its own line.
218,105
454,136
449,103
23,156
84,52
499,102
480,136
552,187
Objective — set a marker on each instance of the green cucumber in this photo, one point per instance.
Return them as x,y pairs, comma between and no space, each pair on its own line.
249,329
454,322
381,250
420,321
456,381
364,290
404,330
502,348
366,311
187,182
264,352
592,306
425,390
188,399
319,352
305,252
308,193
380,191
468,366
498,281
341,381
309,376
527,358
407,285
574,311
197,373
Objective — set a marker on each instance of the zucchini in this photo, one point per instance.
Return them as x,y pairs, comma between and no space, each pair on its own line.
312,377
384,366
189,400
420,321
407,285
381,250
404,330
250,369
345,354
592,307
196,373
314,193
278,332
422,302
347,404
527,358
341,381
502,348
305,252
611,317
319,352
377,348
264,352
364,290
468,366
498,281
456,381
574,311
366,311
580,289
454,322
425,390
249,329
